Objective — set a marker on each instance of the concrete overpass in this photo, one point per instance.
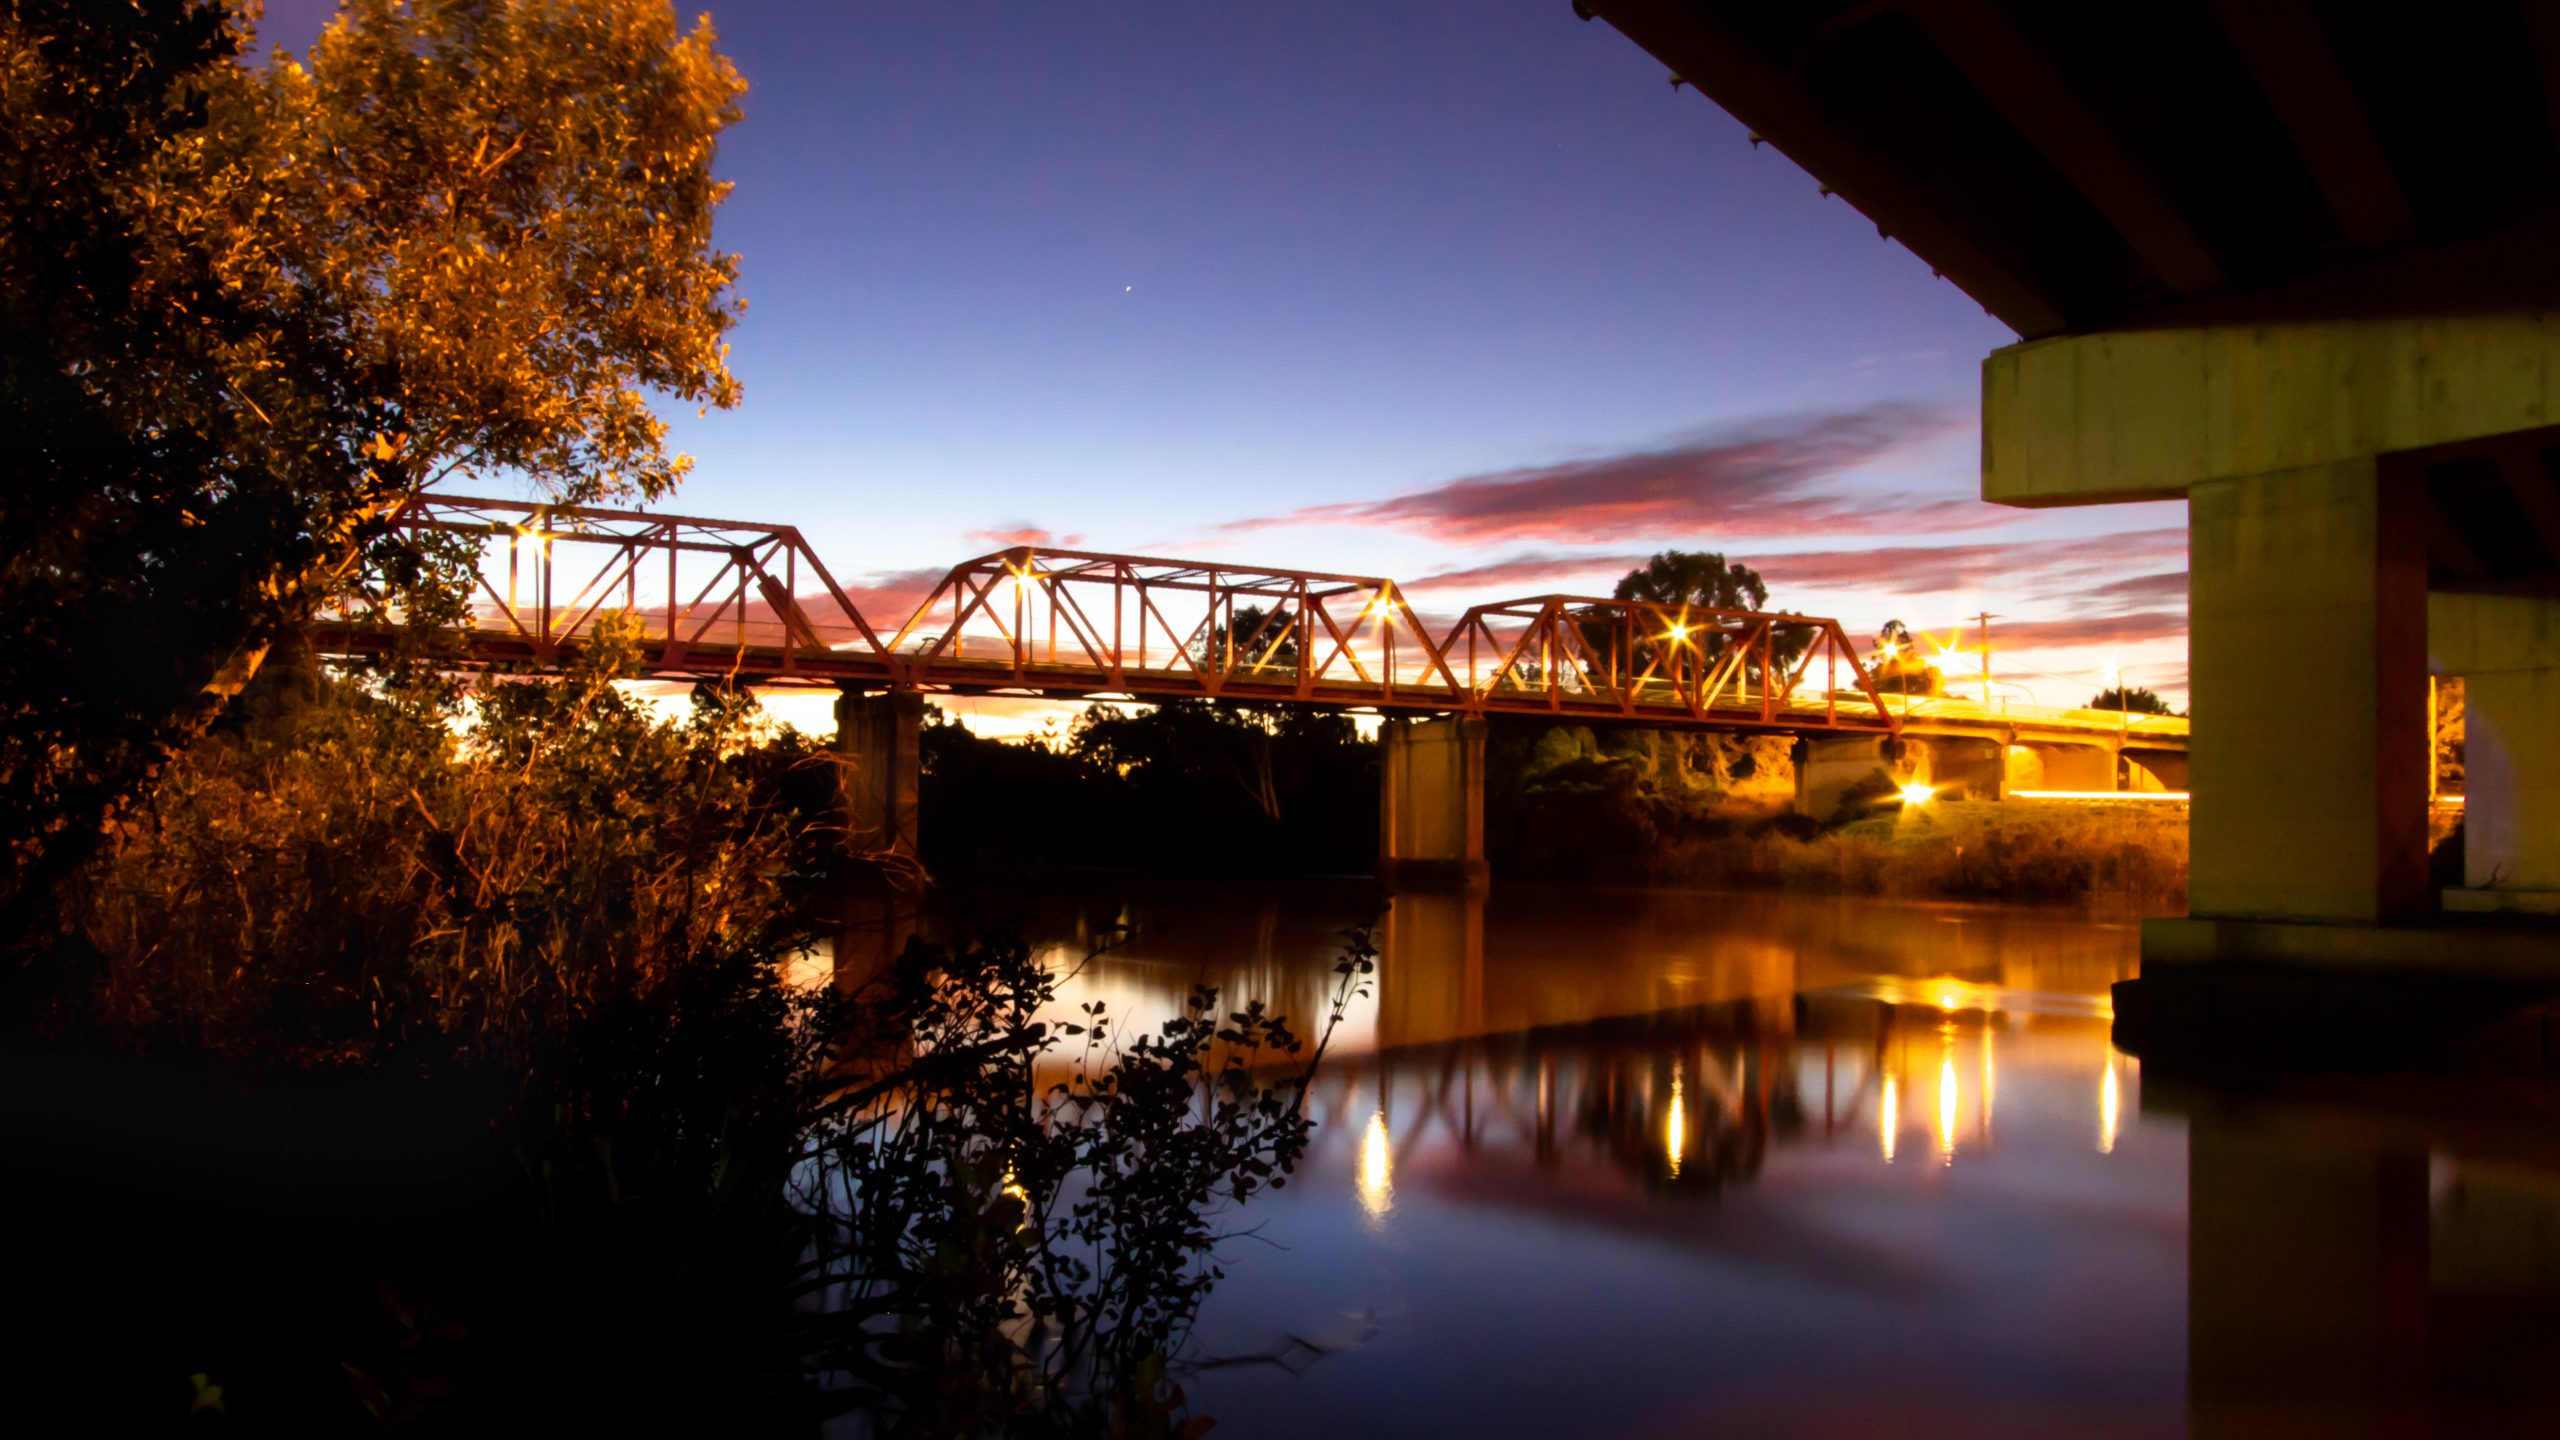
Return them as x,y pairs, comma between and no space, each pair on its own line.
2288,260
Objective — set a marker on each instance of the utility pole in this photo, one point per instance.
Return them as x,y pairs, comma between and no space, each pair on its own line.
1985,619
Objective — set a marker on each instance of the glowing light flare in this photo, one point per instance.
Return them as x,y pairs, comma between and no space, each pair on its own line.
1675,1124
2110,1107
1377,1170
1888,1117
1916,793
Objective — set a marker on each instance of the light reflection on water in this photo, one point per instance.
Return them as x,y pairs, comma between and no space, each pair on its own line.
1596,1163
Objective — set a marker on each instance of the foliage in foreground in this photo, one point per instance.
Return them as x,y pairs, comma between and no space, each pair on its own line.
1014,1232
682,1189
246,309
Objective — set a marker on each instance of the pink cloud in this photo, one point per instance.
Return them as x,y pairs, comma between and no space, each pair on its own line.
2135,627
1005,538
888,597
2034,569
2030,568
2159,589
1530,573
1775,478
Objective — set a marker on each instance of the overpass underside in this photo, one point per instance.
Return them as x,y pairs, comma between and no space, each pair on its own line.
2291,262
2370,502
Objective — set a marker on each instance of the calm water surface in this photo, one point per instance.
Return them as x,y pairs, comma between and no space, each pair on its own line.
1628,1163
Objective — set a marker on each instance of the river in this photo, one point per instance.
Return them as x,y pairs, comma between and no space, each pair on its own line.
1630,1163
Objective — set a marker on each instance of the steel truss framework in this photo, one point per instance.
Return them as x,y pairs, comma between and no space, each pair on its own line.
719,598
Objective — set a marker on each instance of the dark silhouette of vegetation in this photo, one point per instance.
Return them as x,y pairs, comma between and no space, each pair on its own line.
246,310
456,1072
1572,803
1282,788
2136,700
1014,1233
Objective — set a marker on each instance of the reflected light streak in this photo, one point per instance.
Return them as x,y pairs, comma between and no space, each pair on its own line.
1376,1179
1889,1117
1990,1085
1947,1105
2110,1107
1675,1126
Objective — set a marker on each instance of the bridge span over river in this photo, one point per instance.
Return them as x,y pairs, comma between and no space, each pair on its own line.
753,604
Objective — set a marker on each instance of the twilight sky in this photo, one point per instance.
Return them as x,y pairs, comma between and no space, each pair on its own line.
1460,293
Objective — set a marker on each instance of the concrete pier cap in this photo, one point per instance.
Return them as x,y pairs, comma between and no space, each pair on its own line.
2370,501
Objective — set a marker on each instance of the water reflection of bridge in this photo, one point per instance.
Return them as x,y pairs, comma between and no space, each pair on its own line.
1529,1049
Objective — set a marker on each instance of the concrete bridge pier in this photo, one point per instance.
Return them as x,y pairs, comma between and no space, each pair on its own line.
1836,769
878,766
1431,802
2367,499
2039,765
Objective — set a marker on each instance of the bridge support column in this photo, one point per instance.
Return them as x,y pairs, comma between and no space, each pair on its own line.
877,739
2308,664
1831,769
1431,802
2334,469
2037,766
1961,767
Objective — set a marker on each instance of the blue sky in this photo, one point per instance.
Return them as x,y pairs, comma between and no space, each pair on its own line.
1406,289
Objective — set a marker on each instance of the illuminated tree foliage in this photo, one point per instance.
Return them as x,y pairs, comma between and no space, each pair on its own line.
2135,699
246,309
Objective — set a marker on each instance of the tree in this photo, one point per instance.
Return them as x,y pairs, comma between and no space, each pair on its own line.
1689,577
245,312
1706,580
1898,666
2138,700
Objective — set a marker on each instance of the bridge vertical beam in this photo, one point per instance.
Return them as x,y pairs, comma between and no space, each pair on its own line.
879,765
1431,802
2308,663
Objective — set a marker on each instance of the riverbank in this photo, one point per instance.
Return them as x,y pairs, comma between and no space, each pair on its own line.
2017,850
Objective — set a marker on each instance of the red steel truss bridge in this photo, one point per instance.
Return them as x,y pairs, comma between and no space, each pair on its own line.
724,598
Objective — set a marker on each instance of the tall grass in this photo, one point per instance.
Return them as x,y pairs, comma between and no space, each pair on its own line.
1991,851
